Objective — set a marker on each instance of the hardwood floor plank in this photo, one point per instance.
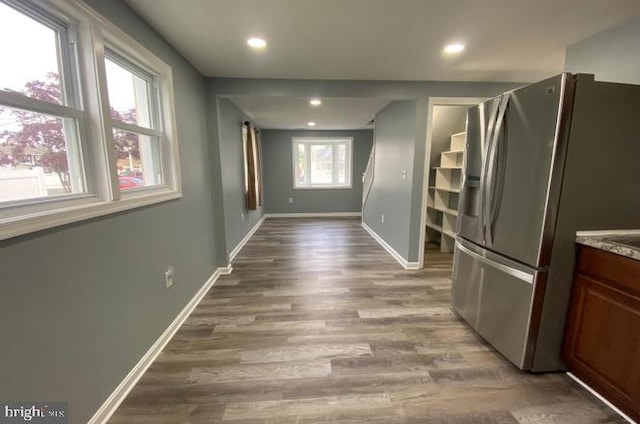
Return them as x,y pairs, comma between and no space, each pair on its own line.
318,324
273,326
304,291
326,406
332,314
351,336
212,320
404,312
257,372
203,355
307,352
227,310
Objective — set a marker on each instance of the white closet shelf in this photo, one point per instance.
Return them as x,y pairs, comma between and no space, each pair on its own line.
434,226
442,200
450,190
450,211
449,234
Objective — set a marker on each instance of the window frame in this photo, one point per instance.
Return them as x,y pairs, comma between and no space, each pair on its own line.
69,108
323,141
90,34
123,60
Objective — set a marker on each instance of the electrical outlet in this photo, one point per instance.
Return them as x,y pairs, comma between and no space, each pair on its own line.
290,199
168,276
382,219
242,216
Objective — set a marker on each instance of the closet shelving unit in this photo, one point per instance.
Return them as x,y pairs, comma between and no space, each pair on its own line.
443,196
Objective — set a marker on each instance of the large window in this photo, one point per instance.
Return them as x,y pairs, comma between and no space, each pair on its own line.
322,162
40,112
86,118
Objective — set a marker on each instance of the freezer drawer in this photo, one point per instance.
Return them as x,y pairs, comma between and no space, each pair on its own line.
495,296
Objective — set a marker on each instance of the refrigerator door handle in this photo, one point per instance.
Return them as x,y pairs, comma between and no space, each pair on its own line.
501,159
520,275
489,206
483,173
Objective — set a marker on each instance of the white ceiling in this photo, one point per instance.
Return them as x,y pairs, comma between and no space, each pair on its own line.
507,40
270,112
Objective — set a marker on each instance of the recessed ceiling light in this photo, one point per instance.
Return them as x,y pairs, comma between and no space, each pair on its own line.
315,102
454,48
311,124
257,43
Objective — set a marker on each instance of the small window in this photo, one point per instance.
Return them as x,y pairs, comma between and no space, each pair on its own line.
322,162
133,108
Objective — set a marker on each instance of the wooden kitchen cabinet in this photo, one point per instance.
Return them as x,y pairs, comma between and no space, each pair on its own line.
602,339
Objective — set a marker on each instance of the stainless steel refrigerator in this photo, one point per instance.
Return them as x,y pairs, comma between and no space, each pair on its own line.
541,162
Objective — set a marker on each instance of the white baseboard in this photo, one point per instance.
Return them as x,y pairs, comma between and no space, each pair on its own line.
120,393
314,215
601,398
246,238
402,261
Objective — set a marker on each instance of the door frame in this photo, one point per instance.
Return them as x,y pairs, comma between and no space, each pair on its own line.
435,101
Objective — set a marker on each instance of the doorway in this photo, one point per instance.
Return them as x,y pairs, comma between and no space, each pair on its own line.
444,153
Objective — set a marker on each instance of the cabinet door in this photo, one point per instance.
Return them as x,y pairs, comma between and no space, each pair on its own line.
602,344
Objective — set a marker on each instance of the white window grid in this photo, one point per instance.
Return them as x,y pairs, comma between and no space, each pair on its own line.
84,39
335,143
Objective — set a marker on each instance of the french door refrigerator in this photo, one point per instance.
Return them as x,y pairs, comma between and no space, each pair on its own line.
541,162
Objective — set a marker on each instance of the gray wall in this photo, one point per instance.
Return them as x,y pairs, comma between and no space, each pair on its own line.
215,173
237,219
278,174
418,92
82,303
612,55
391,196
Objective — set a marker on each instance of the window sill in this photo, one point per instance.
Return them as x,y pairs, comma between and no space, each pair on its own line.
25,224
324,188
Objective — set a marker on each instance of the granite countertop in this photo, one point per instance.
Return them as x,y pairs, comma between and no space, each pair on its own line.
614,241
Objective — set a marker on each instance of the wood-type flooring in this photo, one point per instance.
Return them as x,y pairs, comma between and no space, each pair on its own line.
319,324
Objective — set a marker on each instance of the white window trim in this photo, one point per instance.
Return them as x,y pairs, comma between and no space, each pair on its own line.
323,140
93,32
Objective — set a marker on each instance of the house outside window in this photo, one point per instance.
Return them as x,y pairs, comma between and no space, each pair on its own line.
322,163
